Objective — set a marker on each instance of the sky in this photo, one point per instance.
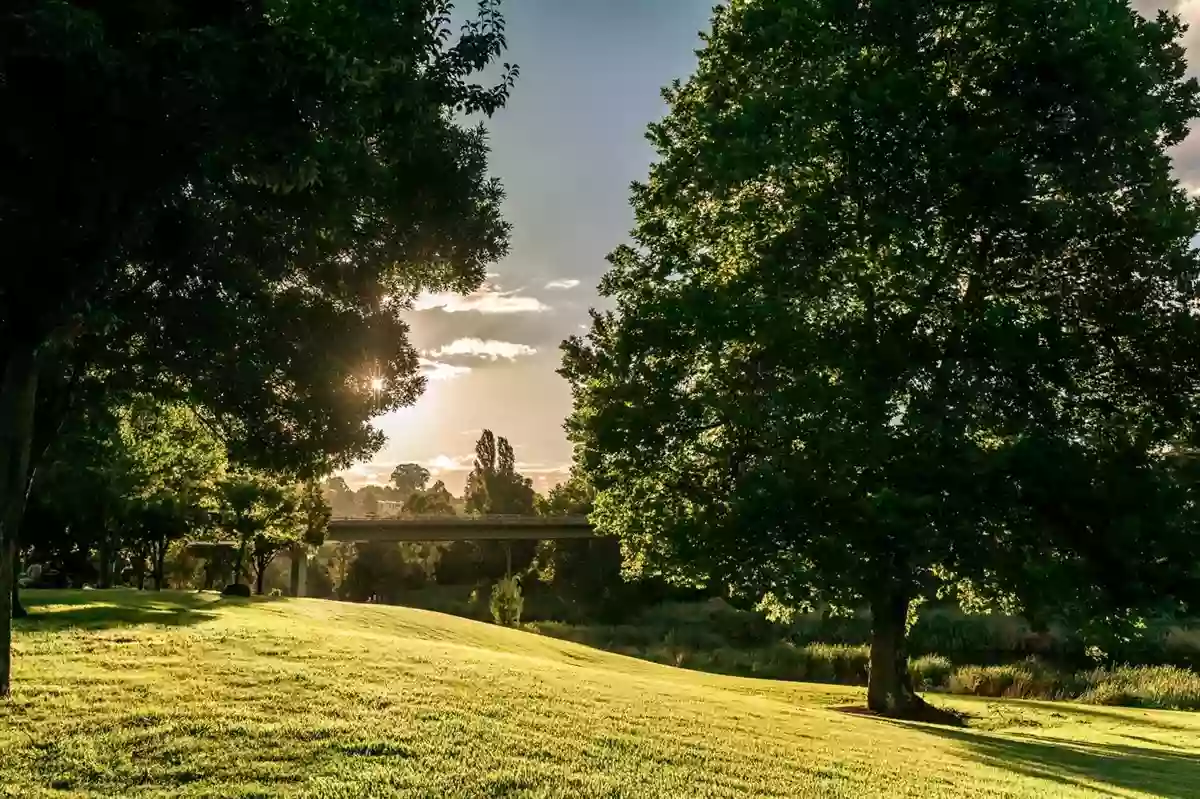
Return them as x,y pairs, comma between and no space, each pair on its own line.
566,148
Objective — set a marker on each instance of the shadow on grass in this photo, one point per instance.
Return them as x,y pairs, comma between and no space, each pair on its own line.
1092,766
1123,715
106,609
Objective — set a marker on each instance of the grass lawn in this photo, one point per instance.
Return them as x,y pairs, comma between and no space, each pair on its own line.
125,694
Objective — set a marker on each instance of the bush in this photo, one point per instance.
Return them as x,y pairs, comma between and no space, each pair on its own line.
1166,687
1144,686
930,672
236,589
507,602
711,624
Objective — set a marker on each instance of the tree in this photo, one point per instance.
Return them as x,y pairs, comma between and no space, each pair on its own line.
574,497
589,568
177,462
339,497
435,500
129,474
193,175
904,315
494,485
314,517
409,478
340,559
382,570
278,518
261,514
156,521
369,496
315,514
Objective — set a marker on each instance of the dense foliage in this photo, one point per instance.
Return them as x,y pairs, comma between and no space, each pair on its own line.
122,485
231,204
910,308
123,482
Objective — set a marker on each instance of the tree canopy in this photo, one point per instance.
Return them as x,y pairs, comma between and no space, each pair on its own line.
494,484
435,500
132,474
231,204
409,478
910,308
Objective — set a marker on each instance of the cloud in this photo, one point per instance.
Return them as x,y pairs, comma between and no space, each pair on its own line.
562,284
361,474
452,469
490,349
465,463
447,463
489,299
438,370
543,468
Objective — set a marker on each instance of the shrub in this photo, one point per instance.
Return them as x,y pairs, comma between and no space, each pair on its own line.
1166,687
1029,679
1146,686
507,602
930,672
709,625
836,663
236,589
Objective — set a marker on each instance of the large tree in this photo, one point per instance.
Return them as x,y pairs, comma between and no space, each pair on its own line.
263,516
435,500
409,478
339,497
494,485
910,306
232,203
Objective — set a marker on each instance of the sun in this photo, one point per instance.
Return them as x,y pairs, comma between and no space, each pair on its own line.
377,384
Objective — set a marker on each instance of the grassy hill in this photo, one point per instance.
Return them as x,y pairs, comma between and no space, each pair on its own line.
120,693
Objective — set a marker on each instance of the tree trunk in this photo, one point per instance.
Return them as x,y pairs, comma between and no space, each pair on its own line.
258,578
18,610
890,688
18,400
240,561
160,558
104,578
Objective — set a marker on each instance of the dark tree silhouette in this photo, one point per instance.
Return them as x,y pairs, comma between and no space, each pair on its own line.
208,202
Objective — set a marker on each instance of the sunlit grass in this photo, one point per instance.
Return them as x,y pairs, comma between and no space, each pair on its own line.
120,693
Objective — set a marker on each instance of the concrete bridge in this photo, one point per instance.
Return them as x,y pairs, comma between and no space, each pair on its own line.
459,528
431,528
441,528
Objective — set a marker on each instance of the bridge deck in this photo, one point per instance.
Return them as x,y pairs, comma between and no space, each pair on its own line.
428,528
457,528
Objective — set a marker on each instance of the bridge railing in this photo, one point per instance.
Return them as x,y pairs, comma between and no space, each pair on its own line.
494,518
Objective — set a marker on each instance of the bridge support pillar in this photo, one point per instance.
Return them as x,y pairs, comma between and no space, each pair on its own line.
299,575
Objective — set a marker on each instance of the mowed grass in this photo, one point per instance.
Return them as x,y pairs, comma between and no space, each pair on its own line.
127,694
